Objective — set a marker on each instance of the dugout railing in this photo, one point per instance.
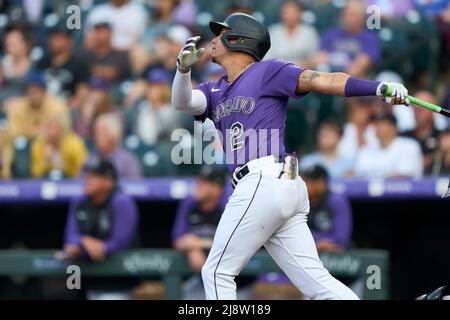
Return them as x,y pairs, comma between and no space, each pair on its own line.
370,267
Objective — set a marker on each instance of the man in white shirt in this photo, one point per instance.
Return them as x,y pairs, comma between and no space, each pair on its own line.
359,131
127,18
291,40
394,156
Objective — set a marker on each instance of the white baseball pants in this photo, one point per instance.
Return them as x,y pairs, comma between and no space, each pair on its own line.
266,211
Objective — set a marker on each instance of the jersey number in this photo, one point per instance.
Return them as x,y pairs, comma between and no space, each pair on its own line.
236,130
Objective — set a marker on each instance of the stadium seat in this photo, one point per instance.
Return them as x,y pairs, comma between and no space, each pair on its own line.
22,157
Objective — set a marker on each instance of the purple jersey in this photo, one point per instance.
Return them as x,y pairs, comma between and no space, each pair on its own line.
251,112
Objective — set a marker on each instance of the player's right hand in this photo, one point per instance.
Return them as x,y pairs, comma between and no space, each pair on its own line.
399,94
189,54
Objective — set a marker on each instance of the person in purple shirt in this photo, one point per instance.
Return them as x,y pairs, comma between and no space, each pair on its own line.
269,205
102,221
352,48
330,215
196,222
197,216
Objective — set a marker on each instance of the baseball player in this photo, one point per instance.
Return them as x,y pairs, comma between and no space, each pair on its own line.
269,205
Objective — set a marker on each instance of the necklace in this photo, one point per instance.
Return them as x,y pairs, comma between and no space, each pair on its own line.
231,81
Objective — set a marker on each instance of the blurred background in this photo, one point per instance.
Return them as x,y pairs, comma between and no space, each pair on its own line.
85,147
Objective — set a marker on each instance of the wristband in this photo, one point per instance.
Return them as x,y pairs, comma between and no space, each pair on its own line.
355,87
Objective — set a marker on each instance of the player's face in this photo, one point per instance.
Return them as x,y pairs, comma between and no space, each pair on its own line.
95,184
207,191
218,50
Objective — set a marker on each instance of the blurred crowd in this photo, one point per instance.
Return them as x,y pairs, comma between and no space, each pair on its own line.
69,97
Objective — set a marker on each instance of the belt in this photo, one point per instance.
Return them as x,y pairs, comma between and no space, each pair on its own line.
286,169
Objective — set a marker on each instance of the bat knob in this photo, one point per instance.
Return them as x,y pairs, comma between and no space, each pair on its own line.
383,89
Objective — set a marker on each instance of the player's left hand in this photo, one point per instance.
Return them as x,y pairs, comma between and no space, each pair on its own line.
399,94
189,54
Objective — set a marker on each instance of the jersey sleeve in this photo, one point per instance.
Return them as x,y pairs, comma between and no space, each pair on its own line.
205,88
281,79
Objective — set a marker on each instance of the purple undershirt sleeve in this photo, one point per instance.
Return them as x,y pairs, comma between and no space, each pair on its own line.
355,87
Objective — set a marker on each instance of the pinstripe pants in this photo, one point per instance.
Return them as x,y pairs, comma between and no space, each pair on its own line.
266,211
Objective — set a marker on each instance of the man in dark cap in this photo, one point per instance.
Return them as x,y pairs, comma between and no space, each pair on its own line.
330,215
102,59
66,74
103,220
197,218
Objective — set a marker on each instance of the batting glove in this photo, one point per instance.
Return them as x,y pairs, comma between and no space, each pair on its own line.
398,96
189,54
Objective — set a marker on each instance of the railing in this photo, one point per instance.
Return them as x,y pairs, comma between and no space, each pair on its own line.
167,189
172,266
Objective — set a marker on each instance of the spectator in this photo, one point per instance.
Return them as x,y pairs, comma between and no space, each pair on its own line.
65,73
16,62
102,60
101,222
425,132
185,13
351,48
441,161
390,9
359,130
27,115
394,156
291,40
6,154
161,20
338,165
165,55
330,215
128,20
58,152
158,27
155,117
97,101
196,221
108,140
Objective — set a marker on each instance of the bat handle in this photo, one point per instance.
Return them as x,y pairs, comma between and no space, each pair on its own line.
385,90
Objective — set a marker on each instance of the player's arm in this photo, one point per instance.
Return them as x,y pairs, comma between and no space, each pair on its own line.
342,84
193,102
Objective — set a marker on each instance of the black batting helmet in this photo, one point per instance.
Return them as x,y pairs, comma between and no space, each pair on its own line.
255,38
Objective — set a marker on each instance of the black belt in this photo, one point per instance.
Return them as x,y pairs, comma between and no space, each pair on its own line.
239,175
244,170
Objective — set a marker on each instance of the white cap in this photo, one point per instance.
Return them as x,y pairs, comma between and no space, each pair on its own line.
178,33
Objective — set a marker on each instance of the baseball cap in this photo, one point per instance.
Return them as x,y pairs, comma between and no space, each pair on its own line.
386,116
97,83
213,69
158,75
213,174
315,172
34,78
61,28
102,24
102,168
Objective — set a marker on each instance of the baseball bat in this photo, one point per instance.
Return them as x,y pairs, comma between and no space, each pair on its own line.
387,91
